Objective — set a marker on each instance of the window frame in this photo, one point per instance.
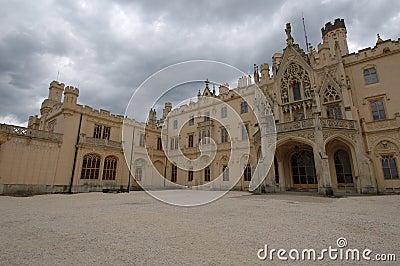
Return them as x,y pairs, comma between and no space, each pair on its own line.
378,111
244,107
396,168
207,174
110,167
370,78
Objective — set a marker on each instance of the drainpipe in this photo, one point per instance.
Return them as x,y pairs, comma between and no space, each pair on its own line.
75,155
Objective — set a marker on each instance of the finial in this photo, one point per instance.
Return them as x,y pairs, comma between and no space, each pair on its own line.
288,31
379,38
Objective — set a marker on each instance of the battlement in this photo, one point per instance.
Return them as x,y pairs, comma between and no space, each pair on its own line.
338,23
71,90
56,84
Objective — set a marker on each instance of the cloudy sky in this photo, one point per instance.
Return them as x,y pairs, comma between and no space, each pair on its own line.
108,48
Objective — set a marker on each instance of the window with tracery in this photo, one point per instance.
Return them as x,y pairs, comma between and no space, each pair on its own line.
91,166
331,95
295,79
110,168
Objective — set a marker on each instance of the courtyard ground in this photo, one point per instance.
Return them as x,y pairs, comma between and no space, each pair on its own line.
135,229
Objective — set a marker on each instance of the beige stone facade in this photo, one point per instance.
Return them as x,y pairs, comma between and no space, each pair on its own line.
336,114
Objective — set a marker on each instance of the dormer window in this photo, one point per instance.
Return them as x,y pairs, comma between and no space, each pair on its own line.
370,76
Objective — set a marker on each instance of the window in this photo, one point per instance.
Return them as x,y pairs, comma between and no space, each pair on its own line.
159,144
142,140
207,116
303,169
225,173
224,135
138,173
174,143
243,107
299,116
334,112
378,110
245,132
190,141
110,168
51,125
97,131
370,76
207,174
106,132
175,124
296,91
174,173
276,168
224,111
331,95
205,136
190,174
389,167
247,173
191,120
344,173
90,166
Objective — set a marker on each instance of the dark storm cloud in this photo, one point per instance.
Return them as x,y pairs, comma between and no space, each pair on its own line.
108,49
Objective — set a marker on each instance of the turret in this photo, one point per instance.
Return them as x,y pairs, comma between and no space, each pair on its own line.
167,109
71,95
152,118
333,33
55,93
265,71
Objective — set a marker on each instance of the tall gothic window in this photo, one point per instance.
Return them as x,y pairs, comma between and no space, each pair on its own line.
247,173
303,169
91,166
389,167
207,174
331,95
110,168
174,173
344,173
296,91
159,144
225,173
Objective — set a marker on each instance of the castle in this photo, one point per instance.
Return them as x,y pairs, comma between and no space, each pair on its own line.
337,123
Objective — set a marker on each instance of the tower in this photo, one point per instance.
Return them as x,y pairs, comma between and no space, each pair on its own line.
335,33
71,95
56,90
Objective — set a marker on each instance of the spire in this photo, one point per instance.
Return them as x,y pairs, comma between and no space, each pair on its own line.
256,74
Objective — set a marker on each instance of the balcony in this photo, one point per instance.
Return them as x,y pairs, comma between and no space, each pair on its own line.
100,142
30,133
295,125
338,123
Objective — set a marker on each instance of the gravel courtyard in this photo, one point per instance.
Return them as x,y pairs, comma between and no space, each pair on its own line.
135,229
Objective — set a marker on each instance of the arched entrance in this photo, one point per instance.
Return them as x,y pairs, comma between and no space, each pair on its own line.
344,173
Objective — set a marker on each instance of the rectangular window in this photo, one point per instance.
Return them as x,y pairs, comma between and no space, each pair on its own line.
174,143
205,137
175,124
106,132
142,140
243,107
296,91
334,112
225,173
247,173
224,135
378,110
97,131
245,132
190,141
370,76
224,112
191,120
190,174
174,173
299,116
389,167
207,174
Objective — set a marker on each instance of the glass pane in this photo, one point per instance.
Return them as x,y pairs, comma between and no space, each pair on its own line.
311,180
386,173
303,179
296,179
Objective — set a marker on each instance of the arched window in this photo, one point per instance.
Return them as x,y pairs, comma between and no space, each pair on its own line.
389,167
296,91
303,169
159,144
344,173
110,168
91,166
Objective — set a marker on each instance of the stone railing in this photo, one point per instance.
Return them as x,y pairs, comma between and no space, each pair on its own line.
386,124
30,133
338,123
295,125
100,142
205,123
